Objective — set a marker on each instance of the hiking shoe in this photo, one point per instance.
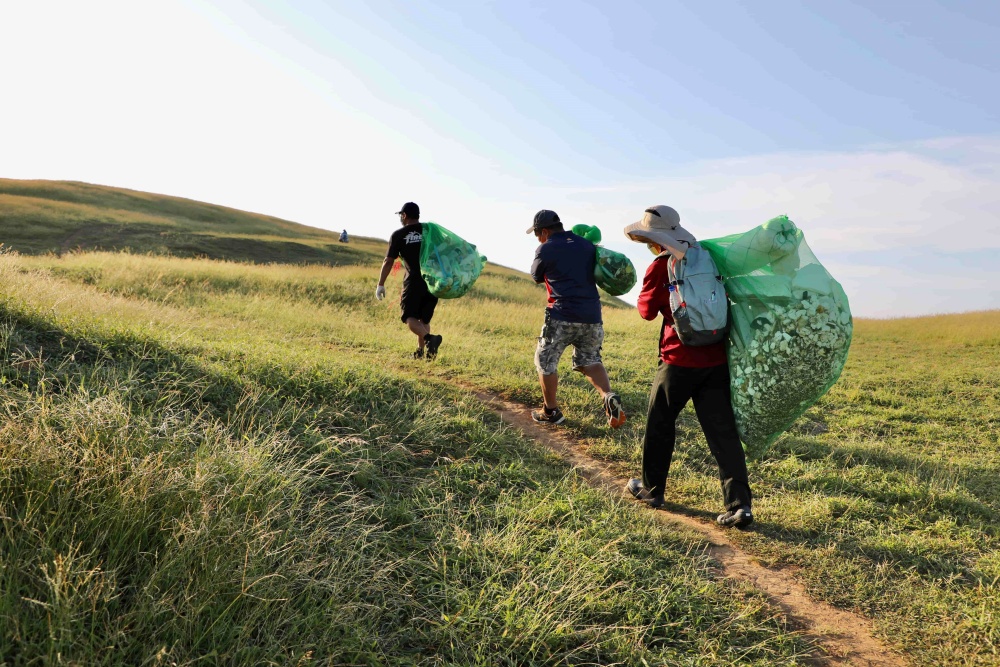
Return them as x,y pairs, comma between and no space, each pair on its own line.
641,493
419,354
737,518
433,343
613,408
544,416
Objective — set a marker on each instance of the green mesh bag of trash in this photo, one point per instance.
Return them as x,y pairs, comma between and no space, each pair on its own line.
449,264
613,271
791,328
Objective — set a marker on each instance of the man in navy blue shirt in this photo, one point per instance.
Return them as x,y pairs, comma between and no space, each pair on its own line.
565,263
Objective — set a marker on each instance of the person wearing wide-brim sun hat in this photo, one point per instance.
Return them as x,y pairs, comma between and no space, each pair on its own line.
685,373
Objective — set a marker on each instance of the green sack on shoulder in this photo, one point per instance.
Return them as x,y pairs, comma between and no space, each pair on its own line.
449,264
790,331
589,232
613,271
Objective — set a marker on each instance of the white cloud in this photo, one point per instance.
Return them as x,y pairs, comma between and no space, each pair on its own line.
937,199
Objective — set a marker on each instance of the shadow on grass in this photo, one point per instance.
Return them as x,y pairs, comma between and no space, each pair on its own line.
158,487
256,513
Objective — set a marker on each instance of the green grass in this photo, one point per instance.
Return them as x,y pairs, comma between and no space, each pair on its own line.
206,482
176,428
58,217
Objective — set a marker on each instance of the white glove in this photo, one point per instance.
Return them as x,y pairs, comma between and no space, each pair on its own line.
380,292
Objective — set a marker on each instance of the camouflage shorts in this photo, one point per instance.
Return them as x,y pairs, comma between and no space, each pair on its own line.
586,340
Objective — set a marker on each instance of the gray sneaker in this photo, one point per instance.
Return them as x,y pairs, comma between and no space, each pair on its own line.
642,494
613,409
543,416
737,518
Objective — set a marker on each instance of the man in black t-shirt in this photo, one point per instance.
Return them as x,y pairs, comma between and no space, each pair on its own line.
416,302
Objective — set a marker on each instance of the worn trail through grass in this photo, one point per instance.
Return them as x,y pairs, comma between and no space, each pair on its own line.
845,638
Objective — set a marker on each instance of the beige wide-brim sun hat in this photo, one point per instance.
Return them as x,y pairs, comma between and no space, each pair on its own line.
661,225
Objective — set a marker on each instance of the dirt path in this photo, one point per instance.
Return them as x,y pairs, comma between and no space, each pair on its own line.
844,638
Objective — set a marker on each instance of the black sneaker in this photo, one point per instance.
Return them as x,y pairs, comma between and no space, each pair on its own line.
544,416
613,409
641,493
433,343
419,354
737,518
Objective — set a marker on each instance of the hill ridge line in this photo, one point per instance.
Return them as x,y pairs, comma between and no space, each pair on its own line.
845,637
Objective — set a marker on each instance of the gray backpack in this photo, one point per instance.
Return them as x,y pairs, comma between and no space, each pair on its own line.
698,298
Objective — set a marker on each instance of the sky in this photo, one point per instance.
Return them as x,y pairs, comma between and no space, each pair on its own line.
875,126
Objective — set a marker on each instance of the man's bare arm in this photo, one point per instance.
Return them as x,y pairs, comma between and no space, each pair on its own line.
386,268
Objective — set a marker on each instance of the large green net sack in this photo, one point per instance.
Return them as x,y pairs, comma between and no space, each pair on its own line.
449,264
791,328
613,271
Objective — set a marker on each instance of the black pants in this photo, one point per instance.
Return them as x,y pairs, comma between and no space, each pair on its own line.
708,388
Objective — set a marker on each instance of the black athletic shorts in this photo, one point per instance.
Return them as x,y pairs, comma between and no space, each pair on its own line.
417,302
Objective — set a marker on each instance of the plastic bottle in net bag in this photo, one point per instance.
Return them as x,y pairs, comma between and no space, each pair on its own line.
791,328
449,264
613,271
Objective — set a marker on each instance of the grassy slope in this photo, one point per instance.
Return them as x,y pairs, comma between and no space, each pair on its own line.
882,496
57,217
186,475
182,481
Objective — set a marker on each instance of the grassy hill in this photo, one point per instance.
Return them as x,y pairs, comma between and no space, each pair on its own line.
58,217
205,460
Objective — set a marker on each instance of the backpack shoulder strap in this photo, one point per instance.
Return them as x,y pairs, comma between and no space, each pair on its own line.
674,279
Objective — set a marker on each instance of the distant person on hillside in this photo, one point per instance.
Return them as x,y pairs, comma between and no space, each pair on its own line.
343,236
685,372
565,263
416,301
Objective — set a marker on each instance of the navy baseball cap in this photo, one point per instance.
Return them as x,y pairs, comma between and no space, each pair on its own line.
410,209
544,218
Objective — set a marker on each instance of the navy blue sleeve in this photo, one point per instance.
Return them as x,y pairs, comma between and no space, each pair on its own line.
538,267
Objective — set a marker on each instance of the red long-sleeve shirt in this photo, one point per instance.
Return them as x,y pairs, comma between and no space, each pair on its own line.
655,300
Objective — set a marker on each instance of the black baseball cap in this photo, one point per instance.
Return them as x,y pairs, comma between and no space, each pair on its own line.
410,209
544,218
